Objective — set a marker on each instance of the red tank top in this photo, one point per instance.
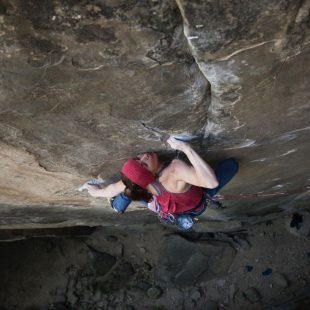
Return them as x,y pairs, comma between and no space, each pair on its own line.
178,202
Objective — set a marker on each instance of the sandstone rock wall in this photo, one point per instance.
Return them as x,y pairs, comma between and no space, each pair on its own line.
79,79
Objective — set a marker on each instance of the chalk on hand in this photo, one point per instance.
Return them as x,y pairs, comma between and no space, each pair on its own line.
98,182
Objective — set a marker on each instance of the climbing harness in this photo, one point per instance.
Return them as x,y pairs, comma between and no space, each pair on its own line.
185,221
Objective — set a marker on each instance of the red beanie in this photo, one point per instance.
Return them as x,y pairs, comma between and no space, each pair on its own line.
137,174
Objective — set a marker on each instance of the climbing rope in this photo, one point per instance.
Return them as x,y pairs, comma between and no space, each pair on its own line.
299,190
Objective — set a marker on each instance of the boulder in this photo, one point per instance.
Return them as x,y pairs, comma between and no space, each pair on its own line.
102,262
279,280
186,263
102,243
252,295
154,292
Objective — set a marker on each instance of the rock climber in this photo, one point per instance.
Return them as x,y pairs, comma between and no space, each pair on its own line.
176,191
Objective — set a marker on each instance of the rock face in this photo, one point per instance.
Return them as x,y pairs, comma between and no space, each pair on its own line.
83,85
185,263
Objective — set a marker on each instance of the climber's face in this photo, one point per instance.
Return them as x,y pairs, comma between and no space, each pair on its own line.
149,161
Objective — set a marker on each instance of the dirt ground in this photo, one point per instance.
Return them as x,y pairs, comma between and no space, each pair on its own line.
265,266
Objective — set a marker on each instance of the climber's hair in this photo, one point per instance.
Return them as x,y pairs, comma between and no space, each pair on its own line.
134,191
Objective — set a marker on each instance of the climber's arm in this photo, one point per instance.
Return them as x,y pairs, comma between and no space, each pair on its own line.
200,174
111,190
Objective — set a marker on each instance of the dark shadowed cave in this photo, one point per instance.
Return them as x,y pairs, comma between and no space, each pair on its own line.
86,84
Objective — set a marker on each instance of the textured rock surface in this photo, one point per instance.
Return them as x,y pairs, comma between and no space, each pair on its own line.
81,269
79,78
185,263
